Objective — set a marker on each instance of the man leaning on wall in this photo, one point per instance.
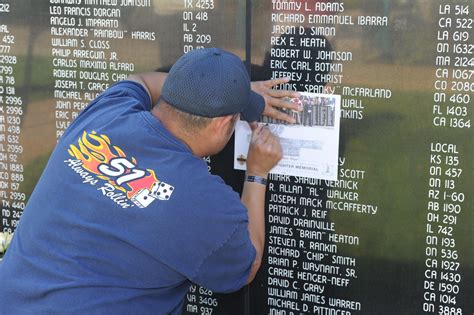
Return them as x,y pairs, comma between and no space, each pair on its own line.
126,215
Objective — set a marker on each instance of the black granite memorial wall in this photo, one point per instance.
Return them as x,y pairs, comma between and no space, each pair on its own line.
394,233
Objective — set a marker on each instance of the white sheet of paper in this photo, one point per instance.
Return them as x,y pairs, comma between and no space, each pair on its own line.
310,147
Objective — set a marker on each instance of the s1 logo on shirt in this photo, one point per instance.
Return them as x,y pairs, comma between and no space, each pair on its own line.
122,169
97,155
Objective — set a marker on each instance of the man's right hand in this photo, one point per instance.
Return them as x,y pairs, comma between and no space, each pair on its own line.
264,152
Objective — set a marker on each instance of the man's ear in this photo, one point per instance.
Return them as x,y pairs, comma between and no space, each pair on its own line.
221,124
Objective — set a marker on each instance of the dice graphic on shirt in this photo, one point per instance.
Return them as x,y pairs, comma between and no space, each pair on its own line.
161,191
143,198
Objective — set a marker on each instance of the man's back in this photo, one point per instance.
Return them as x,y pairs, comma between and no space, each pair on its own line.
117,223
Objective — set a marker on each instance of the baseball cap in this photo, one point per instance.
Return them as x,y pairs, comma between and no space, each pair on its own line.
212,82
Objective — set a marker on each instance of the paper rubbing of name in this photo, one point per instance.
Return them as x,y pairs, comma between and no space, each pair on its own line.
310,146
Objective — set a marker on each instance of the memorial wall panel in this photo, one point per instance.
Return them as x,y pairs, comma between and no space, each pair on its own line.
394,233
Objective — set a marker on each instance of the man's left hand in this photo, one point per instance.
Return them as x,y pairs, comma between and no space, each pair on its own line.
275,99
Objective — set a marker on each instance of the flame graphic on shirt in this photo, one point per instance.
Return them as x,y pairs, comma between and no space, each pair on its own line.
93,149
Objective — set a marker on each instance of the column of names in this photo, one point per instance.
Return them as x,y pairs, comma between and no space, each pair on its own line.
307,270
11,111
83,47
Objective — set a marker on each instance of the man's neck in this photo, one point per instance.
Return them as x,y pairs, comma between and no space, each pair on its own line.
170,124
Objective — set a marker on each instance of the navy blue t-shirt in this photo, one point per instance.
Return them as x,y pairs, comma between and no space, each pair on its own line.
122,220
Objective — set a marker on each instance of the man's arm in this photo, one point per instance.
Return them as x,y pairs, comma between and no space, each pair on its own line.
152,82
264,153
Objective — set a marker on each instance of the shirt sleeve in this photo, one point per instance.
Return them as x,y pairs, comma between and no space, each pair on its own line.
228,267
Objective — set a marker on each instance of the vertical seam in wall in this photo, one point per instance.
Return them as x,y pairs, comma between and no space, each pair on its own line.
248,63
248,35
